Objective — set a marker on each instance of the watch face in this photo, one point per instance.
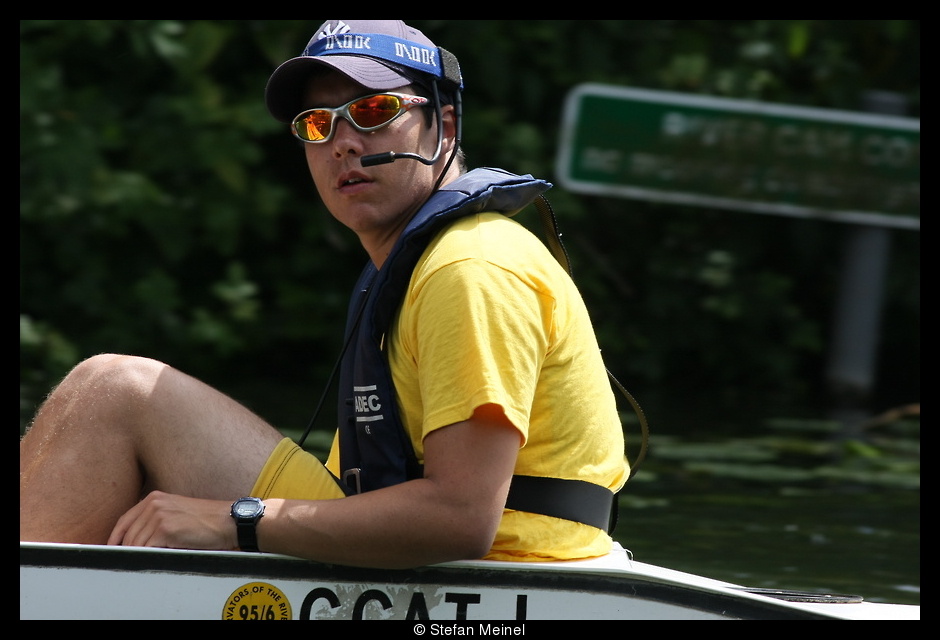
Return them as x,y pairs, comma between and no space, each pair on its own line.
247,508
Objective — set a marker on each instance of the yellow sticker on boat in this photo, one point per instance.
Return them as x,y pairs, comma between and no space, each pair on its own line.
257,601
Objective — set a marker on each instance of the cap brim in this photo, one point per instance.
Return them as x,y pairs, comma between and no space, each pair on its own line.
285,89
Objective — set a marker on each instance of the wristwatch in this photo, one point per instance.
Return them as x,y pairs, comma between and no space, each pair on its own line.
247,512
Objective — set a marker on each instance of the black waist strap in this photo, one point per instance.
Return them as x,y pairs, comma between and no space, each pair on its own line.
576,500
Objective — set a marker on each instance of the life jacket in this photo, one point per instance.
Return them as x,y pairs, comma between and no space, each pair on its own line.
374,448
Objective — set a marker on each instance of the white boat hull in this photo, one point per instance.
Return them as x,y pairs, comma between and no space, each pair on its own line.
99,582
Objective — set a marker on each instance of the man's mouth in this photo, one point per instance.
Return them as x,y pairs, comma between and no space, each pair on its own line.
351,178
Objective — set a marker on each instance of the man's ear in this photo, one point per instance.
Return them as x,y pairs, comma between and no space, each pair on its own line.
449,121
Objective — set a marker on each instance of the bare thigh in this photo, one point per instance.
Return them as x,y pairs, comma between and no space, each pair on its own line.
183,436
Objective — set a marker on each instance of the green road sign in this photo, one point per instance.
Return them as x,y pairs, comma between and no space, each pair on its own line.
744,155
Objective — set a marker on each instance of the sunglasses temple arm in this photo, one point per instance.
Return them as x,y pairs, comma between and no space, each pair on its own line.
391,156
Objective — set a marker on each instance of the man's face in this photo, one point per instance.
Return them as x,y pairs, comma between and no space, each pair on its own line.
375,202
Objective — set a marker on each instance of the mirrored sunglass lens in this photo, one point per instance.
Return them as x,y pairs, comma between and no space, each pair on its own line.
374,110
314,125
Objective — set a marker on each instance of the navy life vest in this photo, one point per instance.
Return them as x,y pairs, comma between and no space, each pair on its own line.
375,450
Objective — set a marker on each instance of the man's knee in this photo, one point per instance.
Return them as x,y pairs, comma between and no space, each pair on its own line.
114,375
107,389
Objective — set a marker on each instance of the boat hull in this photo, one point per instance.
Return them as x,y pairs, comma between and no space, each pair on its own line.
100,582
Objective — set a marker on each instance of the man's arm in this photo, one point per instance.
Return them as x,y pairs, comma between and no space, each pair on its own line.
451,513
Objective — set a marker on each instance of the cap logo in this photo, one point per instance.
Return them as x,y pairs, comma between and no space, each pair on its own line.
341,27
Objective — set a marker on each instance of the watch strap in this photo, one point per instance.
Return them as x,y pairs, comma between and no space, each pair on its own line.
247,535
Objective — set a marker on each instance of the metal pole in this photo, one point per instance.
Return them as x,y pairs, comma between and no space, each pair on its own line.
856,328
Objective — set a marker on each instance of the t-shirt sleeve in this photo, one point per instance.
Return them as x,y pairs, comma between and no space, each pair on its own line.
481,335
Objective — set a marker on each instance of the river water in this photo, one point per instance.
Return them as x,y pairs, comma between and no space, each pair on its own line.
788,505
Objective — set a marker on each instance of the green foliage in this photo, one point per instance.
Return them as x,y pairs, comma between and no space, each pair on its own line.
163,212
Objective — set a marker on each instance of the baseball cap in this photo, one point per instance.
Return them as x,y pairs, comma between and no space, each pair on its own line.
378,54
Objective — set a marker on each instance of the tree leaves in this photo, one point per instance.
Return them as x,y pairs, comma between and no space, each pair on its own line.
162,210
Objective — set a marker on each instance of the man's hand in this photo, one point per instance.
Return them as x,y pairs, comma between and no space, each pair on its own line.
178,522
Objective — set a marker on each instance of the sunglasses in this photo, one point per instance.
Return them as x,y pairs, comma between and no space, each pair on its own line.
364,114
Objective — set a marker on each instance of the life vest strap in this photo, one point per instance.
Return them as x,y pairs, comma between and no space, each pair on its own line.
576,500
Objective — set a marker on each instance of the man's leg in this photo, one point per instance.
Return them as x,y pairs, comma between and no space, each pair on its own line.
118,427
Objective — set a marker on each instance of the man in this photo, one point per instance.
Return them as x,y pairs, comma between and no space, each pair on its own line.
476,415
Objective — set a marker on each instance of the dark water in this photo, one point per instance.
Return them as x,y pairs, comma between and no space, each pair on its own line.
788,505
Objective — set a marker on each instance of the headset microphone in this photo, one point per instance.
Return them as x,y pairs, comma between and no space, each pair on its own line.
378,158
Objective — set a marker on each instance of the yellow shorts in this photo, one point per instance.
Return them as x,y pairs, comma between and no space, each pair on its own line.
293,473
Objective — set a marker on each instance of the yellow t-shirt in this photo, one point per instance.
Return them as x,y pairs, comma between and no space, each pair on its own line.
491,317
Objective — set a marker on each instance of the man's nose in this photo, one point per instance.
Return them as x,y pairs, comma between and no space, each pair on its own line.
346,139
